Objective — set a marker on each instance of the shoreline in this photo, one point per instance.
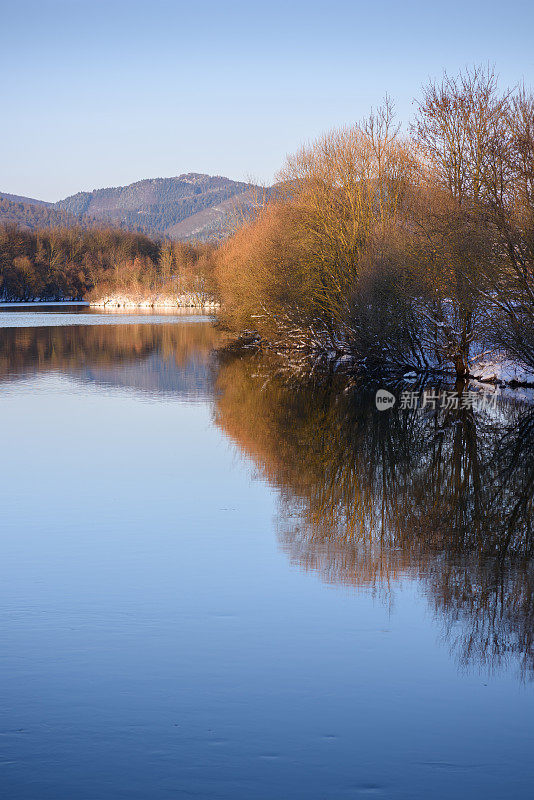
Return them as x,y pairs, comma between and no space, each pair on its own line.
119,302
185,300
45,304
496,372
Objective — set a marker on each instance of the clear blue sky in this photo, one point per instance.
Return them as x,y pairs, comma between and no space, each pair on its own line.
104,92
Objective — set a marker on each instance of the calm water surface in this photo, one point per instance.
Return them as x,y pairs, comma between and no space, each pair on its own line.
217,585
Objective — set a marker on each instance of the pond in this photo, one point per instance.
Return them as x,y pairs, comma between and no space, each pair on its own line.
220,583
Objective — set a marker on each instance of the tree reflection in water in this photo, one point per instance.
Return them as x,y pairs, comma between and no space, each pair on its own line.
159,360
368,497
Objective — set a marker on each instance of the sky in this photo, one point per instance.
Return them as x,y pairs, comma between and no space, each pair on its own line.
103,93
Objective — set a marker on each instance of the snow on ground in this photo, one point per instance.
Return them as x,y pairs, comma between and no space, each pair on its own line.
500,369
188,300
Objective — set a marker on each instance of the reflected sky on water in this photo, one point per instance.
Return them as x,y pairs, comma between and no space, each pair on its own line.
265,589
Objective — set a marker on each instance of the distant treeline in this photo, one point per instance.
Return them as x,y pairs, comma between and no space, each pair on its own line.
413,250
73,263
39,215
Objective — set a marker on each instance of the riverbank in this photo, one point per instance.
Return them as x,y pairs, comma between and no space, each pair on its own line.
34,304
186,300
494,369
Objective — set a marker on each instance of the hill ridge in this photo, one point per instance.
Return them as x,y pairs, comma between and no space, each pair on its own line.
154,206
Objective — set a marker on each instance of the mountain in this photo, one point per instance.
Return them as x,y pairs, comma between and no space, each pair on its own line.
191,206
187,206
37,214
16,198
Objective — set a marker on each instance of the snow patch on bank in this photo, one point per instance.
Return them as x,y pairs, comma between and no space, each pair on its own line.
500,369
186,300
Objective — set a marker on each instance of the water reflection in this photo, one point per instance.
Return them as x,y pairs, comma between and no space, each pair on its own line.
169,360
367,497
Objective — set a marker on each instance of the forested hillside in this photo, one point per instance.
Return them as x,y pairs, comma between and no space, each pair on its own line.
38,215
17,198
188,207
159,205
